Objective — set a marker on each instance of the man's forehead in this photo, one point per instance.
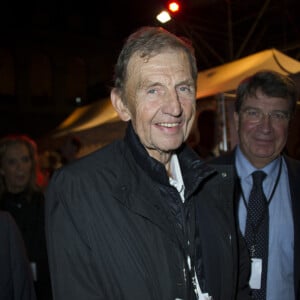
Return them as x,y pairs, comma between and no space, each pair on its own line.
173,60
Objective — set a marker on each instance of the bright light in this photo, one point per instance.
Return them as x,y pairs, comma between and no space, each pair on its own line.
163,17
78,100
173,6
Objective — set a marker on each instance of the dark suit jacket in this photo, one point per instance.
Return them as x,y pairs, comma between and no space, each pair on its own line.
115,227
293,167
15,276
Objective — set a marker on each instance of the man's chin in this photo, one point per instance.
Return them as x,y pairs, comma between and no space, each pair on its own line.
265,155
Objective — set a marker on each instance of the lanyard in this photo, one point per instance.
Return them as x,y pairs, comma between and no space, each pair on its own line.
256,228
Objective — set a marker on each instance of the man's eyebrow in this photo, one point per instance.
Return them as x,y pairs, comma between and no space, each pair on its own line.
187,81
149,83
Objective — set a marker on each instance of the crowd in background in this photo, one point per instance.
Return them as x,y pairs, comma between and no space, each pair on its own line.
24,176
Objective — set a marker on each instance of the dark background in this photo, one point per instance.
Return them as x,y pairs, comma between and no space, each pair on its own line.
92,32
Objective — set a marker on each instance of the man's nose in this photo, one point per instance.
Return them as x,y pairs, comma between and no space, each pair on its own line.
172,104
266,120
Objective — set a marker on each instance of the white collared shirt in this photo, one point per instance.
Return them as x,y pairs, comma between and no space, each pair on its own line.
177,181
280,280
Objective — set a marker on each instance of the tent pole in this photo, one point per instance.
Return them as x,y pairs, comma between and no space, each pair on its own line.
222,110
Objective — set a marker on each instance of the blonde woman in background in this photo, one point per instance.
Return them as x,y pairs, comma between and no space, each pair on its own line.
23,198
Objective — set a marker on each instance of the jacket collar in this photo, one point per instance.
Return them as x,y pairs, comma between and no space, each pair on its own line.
193,169
146,170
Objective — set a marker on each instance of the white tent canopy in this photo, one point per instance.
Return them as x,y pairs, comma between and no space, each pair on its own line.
88,116
226,77
210,82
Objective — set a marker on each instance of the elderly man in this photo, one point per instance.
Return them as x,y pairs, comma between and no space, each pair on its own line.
121,221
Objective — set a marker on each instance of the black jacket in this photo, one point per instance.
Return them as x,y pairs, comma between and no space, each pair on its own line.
27,210
15,275
116,229
293,167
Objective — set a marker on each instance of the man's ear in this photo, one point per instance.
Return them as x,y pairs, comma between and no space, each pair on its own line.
119,105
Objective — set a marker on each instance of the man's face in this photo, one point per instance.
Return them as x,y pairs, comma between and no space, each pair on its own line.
262,141
160,96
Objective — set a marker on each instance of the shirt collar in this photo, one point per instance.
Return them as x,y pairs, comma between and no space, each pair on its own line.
176,179
245,168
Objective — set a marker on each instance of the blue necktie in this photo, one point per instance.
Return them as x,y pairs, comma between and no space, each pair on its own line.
257,229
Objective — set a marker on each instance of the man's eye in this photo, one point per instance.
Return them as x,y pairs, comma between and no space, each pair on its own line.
252,113
152,91
184,88
278,115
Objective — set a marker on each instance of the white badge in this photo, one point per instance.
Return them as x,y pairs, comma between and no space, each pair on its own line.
206,297
33,270
256,270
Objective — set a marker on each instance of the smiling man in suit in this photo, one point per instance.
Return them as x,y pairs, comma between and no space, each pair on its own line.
265,104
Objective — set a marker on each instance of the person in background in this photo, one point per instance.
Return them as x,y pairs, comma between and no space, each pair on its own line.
70,149
209,135
16,281
21,196
120,222
264,106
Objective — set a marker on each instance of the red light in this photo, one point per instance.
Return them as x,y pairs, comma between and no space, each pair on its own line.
173,6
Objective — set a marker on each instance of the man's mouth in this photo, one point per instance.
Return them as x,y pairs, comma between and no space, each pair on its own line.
170,125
